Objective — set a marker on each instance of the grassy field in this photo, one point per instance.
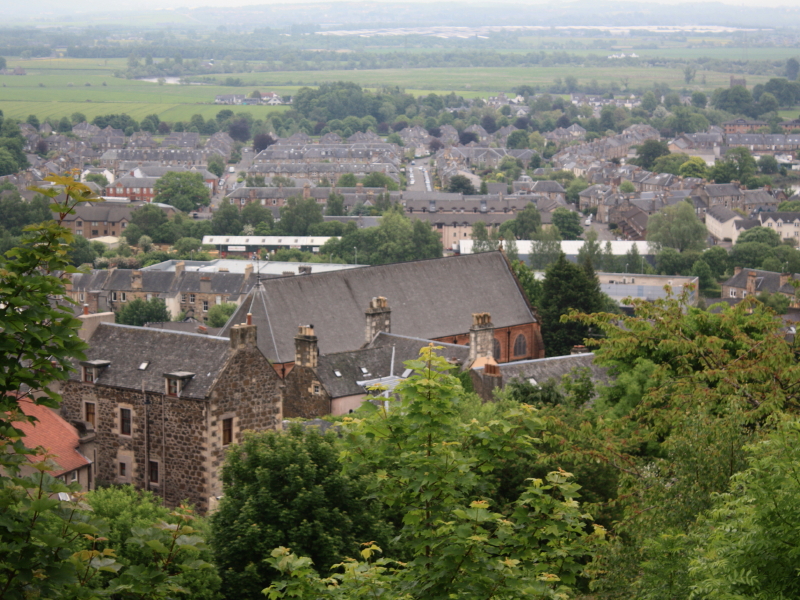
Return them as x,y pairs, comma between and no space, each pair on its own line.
54,88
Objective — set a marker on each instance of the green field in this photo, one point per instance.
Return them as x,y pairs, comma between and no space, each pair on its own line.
54,88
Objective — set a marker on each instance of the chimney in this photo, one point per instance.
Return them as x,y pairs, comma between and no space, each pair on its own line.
751,282
136,280
492,379
243,336
86,308
248,270
481,337
304,270
179,266
783,281
578,349
379,318
737,270
205,284
359,188
305,347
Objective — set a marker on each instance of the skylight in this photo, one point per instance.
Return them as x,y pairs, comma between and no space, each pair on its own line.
364,370
144,365
337,372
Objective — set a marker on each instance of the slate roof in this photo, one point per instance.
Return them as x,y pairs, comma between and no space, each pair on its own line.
166,352
547,187
722,214
722,189
428,299
53,433
544,369
377,359
766,281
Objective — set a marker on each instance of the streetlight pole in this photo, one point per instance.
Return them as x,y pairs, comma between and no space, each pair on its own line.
355,260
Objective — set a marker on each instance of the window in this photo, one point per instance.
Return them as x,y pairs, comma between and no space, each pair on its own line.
153,471
316,388
496,349
113,296
191,298
79,223
744,293
183,298
95,233
95,223
88,375
89,413
733,293
520,346
205,305
124,297
125,421
79,231
74,476
173,387
123,469
227,431
81,296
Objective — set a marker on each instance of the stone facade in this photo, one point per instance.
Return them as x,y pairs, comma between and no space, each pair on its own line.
175,445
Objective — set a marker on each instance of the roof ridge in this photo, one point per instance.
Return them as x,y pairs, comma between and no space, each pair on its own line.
164,331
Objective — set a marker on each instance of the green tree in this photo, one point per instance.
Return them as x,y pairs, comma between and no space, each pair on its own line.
219,314
216,165
517,139
147,218
287,489
137,312
567,287
184,190
186,245
768,165
568,223
677,227
545,248
298,214
738,165
761,235
527,222
81,251
482,239
380,180
649,101
335,205
746,544
426,459
98,178
627,187
699,99
670,163
254,214
226,220
694,167
649,151
574,188
460,184
347,180
145,243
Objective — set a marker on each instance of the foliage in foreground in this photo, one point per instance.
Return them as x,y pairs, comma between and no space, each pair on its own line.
435,471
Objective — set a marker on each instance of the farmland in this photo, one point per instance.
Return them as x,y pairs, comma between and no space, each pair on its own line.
54,88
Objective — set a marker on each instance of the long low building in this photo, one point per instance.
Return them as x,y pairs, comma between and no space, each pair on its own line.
247,245
572,247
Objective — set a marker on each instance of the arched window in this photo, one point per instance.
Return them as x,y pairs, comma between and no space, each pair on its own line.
496,349
520,346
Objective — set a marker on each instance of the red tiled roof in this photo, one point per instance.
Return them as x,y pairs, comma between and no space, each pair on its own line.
53,433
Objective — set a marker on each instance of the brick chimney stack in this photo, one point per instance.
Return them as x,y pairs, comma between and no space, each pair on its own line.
136,280
481,337
305,347
784,279
379,318
205,284
737,270
179,267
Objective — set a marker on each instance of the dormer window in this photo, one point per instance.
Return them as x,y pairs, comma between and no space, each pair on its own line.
176,382
91,369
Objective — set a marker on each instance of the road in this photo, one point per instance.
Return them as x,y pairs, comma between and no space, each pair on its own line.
418,178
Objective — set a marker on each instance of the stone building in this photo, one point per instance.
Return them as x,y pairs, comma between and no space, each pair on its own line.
164,405
750,282
430,299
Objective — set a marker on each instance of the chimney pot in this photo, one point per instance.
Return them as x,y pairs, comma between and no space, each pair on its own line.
86,309
249,318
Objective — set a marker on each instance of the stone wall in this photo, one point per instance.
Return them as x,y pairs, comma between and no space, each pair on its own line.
300,395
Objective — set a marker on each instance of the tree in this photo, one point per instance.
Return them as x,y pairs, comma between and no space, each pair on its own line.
137,312
298,214
219,314
627,187
227,220
184,190
567,286
347,180
81,251
145,243
699,99
482,239
575,187
792,69
216,165
380,180
287,489
449,520
649,101
671,163
98,178
254,214
649,151
527,222
460,184
762,235
736,100
746,544
568,223
545,248
517,140
694,167
262,141
187,245
335,205
677,227
768,165
148,218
